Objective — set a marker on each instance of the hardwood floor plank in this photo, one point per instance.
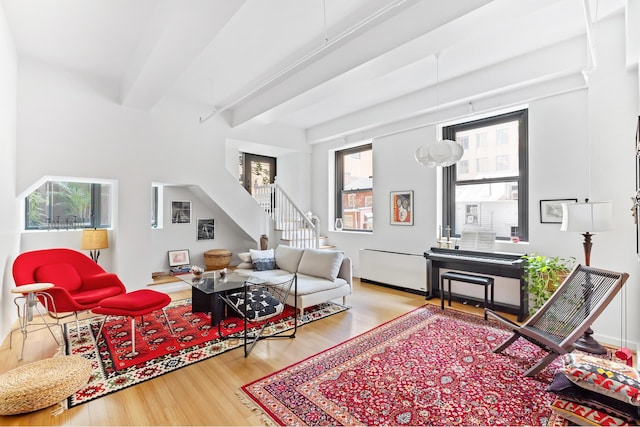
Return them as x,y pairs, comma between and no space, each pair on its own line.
205,393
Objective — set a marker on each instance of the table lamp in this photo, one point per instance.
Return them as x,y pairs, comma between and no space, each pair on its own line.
585,218
94,240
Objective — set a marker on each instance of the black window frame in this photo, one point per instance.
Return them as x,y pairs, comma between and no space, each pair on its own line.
59,223
339,180
449,180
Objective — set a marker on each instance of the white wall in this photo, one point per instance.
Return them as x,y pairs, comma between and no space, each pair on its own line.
10,213
581,144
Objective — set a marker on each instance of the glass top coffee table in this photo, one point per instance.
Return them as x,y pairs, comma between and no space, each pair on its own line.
206,290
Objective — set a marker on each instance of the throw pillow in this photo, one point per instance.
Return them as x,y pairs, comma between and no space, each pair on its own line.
321,263
566,390
62,275
263,260
602,376
585,416
288,258
260,305
245,256
245,265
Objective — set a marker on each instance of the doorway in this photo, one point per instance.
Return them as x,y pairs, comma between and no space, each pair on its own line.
256,170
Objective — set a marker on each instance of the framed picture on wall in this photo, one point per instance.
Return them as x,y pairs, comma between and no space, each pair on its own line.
206,229
181,212
401,207
551,210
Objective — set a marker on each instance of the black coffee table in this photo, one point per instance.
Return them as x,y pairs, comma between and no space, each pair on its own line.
206,290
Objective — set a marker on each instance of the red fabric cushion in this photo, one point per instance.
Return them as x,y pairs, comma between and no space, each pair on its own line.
134,303
94,296
62,275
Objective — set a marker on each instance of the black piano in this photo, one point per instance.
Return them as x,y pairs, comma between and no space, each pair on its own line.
500,264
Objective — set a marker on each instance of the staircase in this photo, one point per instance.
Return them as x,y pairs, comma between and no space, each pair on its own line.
295,228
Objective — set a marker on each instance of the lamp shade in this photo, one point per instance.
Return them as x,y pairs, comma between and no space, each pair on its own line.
587,216
94,239
439,153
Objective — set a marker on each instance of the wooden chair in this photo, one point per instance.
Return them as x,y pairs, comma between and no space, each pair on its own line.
563,319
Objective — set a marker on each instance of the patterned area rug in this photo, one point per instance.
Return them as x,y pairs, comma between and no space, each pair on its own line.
427,367
157,352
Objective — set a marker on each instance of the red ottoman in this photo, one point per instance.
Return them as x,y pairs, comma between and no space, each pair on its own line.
132,304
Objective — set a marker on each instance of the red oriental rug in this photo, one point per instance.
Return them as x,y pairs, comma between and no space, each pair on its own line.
427,367
157,352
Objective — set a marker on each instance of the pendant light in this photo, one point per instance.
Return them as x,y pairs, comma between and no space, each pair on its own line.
441,152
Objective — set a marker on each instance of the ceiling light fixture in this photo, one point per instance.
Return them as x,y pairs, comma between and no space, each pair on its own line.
441,152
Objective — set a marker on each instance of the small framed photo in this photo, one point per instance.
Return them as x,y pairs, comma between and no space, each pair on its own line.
179,258
401,207
206,229
551,210
181,212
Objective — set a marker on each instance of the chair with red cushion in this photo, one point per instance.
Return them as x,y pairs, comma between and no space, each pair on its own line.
79,282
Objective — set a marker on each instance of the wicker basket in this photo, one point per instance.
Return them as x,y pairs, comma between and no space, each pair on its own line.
41,384
217,259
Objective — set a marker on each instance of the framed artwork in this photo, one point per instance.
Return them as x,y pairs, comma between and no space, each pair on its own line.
551,210
206,228
181,212
401,207
178,258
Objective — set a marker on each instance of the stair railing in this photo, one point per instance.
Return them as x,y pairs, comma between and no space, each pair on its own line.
295,227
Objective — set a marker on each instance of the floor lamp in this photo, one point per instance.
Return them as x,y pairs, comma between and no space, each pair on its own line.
585,218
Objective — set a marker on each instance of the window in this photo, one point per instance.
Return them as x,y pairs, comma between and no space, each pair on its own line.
68,205
354,188
487,189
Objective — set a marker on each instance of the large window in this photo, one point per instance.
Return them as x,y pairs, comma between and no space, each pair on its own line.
68,205
487,189
354,188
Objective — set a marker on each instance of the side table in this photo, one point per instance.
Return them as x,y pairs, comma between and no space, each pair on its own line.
26,302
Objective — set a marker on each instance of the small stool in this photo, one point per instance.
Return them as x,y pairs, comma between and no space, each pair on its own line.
30,294
466,278
40,384
132,304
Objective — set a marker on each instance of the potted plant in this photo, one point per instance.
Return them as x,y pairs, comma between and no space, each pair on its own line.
543,275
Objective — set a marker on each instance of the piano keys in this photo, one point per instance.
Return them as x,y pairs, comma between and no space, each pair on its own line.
499,264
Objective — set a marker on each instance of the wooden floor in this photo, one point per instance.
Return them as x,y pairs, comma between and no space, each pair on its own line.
205,393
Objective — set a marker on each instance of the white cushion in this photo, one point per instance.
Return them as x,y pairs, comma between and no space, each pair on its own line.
321,263
244,265
263,260
288,258
311,284
245,256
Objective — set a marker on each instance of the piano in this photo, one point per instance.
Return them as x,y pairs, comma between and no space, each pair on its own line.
500,264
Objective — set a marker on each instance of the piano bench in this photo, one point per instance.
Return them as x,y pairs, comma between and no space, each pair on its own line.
485,281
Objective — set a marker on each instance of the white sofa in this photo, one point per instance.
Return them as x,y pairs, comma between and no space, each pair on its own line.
323,275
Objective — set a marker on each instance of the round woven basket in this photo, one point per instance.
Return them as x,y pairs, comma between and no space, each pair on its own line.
41,384
217,259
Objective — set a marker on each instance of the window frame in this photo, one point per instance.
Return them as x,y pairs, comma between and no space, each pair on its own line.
95,217
449,180
339,181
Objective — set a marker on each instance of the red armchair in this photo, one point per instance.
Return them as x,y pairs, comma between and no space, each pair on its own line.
79,282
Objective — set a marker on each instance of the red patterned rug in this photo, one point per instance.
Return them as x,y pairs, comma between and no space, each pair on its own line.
426,367
157,352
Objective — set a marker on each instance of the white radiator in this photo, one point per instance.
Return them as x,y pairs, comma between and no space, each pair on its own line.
393,268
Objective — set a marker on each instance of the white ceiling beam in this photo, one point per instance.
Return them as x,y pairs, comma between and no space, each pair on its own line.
563,59
173,39
363,47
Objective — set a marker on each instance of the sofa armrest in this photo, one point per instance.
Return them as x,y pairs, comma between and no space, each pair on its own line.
346,271
102,280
